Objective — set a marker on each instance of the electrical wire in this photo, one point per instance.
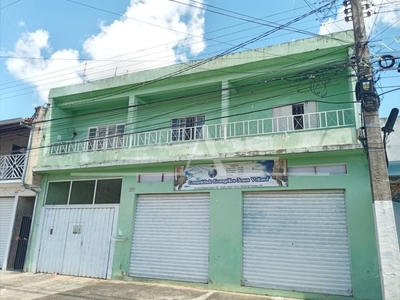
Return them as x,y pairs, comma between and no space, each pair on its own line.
12,3
211,119
199,63
174,110
5,97
117,111
106,95
145,127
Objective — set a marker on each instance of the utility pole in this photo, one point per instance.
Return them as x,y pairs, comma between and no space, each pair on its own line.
387,243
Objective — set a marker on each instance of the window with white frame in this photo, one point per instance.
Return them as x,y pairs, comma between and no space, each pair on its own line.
295,117
106,137
188,128
318,170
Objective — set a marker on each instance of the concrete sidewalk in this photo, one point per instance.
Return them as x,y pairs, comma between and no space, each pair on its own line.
26,286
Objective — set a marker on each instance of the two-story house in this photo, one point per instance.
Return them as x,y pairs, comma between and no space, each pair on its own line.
16,201
242,172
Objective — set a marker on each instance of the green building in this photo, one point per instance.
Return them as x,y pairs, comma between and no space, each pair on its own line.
243,172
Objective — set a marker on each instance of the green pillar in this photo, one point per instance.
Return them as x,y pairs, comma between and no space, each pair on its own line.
225,267
124,230
225,95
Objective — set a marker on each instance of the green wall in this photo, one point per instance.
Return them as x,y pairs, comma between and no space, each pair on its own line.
157,114
250,97
225,258
226,205
225,240
225,236
65,121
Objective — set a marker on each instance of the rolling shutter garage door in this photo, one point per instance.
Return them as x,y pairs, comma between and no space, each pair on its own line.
296,241
6,210
170,239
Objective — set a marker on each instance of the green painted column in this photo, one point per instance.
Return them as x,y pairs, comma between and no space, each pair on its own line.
131,119
225,256
225,95
124,229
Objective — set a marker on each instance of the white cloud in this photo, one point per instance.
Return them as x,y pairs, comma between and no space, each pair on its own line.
384,13
389,12
150,34
335,25
43,74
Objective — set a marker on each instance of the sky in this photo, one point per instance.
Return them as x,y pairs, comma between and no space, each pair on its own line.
51,43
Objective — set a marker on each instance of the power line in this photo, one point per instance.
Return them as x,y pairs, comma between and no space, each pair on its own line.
172,111
12,3
210,119
331,66
74,67
199,63
93,118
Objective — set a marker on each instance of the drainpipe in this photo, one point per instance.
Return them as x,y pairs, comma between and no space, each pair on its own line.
27,186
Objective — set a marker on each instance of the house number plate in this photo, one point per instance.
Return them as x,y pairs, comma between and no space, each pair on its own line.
77,229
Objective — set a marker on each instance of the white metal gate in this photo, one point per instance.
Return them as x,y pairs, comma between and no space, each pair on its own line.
77,240
170,239
6,215
296,241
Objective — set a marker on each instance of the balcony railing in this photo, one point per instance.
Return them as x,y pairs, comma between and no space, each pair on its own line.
12,166
266,126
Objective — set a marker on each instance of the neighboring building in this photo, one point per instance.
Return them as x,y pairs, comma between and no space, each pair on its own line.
16,201
241,173
393,155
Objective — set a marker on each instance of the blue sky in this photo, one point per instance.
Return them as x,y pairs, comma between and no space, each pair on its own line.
51,43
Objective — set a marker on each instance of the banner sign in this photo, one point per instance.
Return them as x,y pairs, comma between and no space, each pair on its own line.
263,173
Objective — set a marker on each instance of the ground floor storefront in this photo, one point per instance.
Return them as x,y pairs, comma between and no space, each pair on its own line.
297,226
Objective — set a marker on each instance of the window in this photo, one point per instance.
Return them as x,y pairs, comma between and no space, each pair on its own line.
156,177
108,191
189,128
295,117
82,192
58,193
298,112
101,191
106,137
318,170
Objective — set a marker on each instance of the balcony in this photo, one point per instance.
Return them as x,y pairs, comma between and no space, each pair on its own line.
259,127
12,166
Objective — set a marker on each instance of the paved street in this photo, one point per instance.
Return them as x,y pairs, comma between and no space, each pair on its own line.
26,286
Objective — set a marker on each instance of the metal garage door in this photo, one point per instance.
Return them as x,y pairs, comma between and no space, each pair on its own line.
296,241
170,239
6,211
77,240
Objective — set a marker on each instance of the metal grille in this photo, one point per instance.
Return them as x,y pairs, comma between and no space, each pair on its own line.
6,209
22,243
170,239
296,241
12,166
